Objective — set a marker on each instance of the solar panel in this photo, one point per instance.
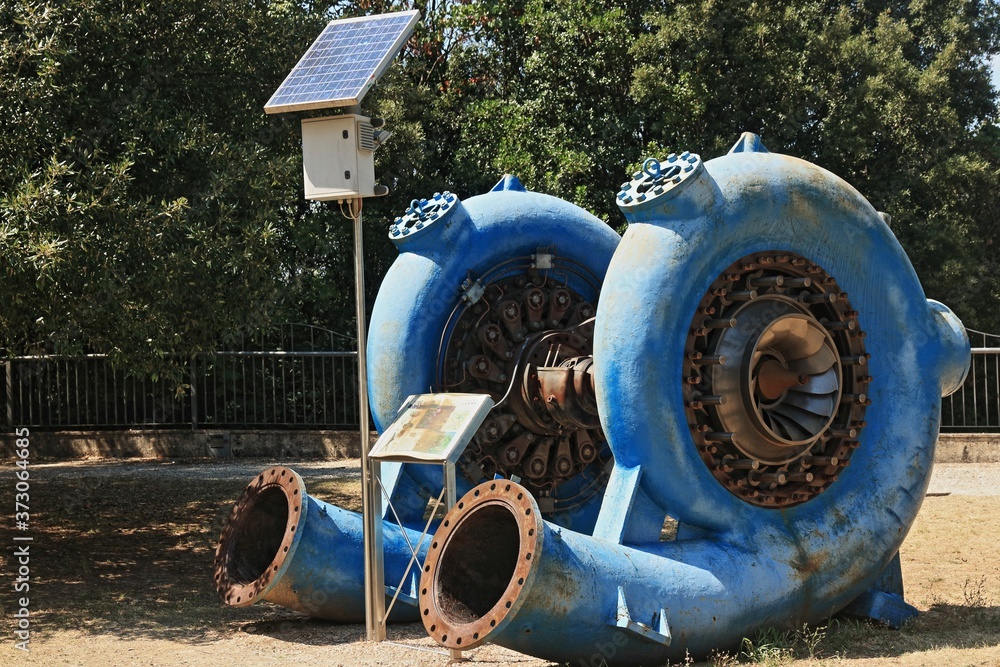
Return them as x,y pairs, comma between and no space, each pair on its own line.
344,62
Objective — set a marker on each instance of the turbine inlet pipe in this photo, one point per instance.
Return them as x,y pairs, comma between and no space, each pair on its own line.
285,546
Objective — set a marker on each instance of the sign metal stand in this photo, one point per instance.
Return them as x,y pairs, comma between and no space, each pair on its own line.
429,429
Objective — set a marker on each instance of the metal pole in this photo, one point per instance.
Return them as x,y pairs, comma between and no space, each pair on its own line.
194,392
451,497
10,393
370,497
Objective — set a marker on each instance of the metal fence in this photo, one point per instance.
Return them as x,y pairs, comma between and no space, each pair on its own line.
976,406
302,382
296,384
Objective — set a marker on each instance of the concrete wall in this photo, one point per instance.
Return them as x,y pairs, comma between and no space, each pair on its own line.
187,444
968,448
181,444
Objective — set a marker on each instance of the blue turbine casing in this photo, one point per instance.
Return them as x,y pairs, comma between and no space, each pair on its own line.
423,287
623,597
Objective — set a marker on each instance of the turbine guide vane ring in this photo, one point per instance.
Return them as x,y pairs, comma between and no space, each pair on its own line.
775,379
527,341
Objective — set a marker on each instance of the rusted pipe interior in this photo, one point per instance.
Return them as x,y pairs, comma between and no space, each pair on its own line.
477,563
260,535
257,535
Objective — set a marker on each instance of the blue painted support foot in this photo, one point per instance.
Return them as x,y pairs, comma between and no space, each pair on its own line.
884,602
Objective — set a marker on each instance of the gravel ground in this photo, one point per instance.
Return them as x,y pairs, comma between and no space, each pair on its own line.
125,578
965,479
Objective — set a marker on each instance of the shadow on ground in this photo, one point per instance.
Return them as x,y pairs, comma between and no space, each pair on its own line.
132,556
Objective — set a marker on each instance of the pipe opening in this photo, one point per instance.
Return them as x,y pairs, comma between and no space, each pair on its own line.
257,536
477,564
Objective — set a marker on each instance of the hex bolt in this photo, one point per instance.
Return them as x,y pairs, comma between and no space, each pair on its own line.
725,323
718,436
809,297
845,325
765,281
821,461
708,360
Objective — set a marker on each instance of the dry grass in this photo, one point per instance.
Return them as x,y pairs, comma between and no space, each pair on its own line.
122,574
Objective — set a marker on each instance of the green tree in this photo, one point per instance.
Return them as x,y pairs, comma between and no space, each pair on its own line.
147,205
892,96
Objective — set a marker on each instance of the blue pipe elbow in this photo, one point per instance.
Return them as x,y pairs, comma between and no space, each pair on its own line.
285,546
955,357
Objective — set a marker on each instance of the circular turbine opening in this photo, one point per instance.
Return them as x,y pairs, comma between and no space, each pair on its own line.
257,536
776,379
477,564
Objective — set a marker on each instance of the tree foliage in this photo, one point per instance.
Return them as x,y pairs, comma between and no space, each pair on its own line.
148,207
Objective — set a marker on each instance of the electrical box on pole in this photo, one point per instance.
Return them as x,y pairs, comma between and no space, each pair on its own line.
338,157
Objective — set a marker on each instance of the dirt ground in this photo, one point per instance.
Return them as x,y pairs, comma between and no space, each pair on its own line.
121,574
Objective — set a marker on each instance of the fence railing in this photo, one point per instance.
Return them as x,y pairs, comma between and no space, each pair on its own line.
976,406
310,388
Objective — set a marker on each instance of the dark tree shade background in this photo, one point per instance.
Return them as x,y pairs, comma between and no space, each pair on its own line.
148,207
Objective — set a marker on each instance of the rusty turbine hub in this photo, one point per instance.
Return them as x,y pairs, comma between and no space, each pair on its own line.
526,339
774,377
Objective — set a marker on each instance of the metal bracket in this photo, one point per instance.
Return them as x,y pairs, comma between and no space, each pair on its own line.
410,598
472,292
541,260
658,635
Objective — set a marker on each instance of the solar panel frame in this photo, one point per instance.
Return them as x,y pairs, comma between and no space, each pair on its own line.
343,62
